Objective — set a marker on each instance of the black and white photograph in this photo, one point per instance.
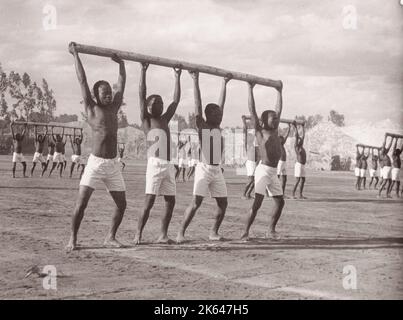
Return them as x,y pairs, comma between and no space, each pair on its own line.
211,151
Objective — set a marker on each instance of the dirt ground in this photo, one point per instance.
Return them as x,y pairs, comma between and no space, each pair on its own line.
334,228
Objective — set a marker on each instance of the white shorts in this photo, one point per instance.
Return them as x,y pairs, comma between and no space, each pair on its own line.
183,163
58,157
18,157
396,174
75,158
357,172
299,170
49,157
266,178
250,168
193,162
105,170
363,173
160,177
209,179
38,157
281,169
386,172
373,173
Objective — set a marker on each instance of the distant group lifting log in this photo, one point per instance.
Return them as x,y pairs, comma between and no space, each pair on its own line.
44,124
298,122
132,56
394,135
366,146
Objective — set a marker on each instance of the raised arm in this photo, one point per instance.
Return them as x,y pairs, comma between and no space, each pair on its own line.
223,93
120,86
395,145
81,135
389,145
297,135
143,92
82,79
36,133
12,129
279,104
24,131
53,135
177,96
288,133
197,95
252,108
72,144
45,134
303,134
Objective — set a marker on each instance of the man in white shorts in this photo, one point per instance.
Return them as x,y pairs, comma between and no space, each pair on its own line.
373,171
358,166
58,157
386,168
160,176
102,163
76,142
253,158
194,160
396,165
182,162
17,149
299,171
39,146
364,168
281,167
267,136
209,178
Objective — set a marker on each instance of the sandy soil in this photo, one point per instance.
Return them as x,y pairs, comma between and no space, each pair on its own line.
336,227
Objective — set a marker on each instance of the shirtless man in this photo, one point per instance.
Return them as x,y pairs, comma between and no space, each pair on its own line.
182,163
76,147
17,149
301,161
386,169
281,167
102,163
51,152
195,151
364,167
358,166
39,146
269,142
209,178
396,165
160,177
373,171
121,150
58,155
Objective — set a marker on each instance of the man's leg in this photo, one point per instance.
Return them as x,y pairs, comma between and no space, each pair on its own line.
82,170
149,203
383,185
24,168
72,168
251,188
33,168
283,182
183,174
54,164
248,186
188,216
14,167
357,183
376,183
65,164
177,171
60,166
276,213
370,183
397,188
301,188
222,204
257,203
84,195
364,181
389,188
295,187
120,200
166,219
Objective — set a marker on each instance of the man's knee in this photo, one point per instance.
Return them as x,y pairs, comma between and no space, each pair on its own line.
222,203
170,200
196,202
279,200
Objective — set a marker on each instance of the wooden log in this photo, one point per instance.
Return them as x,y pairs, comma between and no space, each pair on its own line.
366,146
299,122
137,57
394,135
50,124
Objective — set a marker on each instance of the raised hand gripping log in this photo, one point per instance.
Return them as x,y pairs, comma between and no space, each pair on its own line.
132,56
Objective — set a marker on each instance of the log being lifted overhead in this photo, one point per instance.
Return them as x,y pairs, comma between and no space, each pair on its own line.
50,124
366,146
299,122
394,135
132,56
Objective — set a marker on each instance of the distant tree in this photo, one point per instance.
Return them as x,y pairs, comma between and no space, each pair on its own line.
336,118
65,118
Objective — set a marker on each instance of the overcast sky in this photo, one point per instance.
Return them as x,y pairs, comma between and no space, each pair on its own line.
324,66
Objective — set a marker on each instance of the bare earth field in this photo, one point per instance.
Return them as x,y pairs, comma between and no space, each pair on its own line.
334,228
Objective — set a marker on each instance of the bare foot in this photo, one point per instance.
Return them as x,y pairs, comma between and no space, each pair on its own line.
164,240
71,246
215,237
273,235
245,237
180,239
112,243
137,240
302,197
